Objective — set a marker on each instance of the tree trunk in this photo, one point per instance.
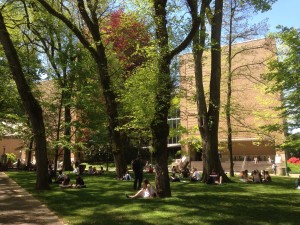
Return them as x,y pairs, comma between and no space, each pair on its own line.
208,120
31,106
67,166
120,163
160,131
56,149
29,154
229,93
112,113
159,124
213,159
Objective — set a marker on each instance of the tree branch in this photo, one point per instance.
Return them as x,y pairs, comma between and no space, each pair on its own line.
71,26
195,26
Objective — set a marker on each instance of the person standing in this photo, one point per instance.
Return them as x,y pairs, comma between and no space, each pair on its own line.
274,168
137,167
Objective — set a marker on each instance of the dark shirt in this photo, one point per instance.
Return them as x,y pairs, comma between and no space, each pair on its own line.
137,165
66,181
79,181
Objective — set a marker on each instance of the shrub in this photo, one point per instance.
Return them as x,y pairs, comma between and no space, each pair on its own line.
294,160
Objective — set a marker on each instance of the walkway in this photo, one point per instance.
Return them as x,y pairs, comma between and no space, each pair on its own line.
19,207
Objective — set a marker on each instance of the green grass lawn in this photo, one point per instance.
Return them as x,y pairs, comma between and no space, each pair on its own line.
104,202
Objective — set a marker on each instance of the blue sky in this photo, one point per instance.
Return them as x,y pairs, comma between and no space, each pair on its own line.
283,12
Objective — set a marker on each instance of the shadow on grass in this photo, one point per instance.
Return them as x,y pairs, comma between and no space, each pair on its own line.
104,202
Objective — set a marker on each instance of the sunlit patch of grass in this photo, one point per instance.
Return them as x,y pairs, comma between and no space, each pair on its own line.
104,202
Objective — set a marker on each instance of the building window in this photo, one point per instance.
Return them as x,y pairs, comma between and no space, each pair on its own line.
174,122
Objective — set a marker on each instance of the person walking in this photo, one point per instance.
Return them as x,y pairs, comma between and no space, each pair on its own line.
137,167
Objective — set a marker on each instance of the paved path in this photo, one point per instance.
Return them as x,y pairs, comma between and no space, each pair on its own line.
19,207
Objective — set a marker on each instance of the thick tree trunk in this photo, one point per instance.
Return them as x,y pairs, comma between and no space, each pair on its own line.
159,125
160,131
213,159
31,106
121,166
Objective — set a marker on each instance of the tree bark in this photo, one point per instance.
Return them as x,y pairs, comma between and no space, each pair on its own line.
29,154
213,159
67,166
160,131
31,106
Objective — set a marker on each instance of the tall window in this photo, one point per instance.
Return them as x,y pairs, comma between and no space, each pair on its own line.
174,122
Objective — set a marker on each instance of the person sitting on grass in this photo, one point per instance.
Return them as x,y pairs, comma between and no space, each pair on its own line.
185,172
66,182
95,170
267,177
256,178
60,178
174,178
79,182
147,191
174,171
214,178
127,176
101,171
195,176
244,176
90,170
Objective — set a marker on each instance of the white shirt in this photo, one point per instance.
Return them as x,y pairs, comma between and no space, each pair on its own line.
149,191
196,175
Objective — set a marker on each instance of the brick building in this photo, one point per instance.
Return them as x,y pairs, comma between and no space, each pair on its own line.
252,107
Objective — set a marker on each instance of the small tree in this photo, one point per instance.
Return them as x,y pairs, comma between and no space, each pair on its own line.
237,14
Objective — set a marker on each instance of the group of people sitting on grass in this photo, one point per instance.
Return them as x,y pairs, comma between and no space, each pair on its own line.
194,176
183,173
94,171
255,176
64,181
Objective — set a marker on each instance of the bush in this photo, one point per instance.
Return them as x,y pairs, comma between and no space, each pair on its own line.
12,157
294,167
294,160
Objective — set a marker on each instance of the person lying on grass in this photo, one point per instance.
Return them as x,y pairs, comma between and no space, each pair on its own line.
147,191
